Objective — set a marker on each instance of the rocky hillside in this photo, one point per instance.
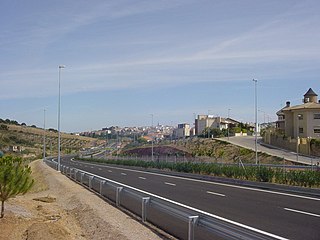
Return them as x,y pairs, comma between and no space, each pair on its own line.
200,149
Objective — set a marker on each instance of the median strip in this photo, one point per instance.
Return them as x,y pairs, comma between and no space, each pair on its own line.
217,194
302,212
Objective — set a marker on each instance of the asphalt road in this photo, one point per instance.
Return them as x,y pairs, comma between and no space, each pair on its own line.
288,216
249,142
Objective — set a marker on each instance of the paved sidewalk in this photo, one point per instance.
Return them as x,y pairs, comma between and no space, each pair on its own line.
248,142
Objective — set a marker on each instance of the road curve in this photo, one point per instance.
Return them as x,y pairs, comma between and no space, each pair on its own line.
288,216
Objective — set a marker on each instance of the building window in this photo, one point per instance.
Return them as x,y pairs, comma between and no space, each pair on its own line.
300,116
316,116
316,130
300,130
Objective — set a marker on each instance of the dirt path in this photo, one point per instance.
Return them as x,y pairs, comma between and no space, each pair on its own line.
59,209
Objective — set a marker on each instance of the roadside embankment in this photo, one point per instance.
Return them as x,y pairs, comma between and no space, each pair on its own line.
57,208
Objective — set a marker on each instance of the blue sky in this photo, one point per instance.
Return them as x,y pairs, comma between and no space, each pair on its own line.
128,59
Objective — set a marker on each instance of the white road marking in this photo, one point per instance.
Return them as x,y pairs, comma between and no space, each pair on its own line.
100,169
91,167
306,213
109,171
171,184
123,174
218,194
193,209
143,178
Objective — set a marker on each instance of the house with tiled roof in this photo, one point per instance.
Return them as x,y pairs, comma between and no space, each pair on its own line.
301,121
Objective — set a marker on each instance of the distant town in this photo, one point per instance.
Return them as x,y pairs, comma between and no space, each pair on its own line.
294,129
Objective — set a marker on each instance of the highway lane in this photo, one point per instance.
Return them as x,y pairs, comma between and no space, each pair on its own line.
288,216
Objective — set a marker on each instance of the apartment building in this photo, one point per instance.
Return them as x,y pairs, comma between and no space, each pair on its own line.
182,131
205,121
301,120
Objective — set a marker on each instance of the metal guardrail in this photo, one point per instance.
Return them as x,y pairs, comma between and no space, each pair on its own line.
175,218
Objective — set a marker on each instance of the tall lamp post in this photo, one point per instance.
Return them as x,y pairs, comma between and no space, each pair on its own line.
59,103
228,122
256,120
151,137
44,134
298,133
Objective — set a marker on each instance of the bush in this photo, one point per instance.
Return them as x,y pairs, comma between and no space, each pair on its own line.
4,127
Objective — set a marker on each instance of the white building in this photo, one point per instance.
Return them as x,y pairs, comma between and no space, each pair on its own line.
209,121
182,131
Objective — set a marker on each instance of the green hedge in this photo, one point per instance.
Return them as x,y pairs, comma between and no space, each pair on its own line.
305,178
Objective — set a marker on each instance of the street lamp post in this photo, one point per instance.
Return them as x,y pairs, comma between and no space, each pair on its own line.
59,105
105,144
151,137
298,133
228,122
44,134
256,116
208,122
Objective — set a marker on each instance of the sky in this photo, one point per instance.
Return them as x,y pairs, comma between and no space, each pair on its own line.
128,59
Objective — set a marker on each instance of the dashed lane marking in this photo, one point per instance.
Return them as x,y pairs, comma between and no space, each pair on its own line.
302,212
217,194
171,184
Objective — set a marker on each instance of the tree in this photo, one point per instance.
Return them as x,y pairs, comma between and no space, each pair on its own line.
15,178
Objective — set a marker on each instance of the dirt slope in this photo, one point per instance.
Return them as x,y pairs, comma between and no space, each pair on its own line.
58,208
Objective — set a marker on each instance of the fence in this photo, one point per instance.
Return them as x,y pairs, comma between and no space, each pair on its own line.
181,221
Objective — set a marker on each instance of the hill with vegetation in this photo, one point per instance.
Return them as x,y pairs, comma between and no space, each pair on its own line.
27,141
200,149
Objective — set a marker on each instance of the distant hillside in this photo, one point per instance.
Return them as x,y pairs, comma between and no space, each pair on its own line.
28,141
200,149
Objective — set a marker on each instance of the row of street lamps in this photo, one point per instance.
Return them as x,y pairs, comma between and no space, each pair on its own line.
152,153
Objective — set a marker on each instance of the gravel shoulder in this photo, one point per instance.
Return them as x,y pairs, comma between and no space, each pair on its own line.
57,208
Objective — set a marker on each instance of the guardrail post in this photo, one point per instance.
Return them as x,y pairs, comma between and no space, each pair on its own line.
81,177
102,182
192,222
75,174
119,189
145,201
90,181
